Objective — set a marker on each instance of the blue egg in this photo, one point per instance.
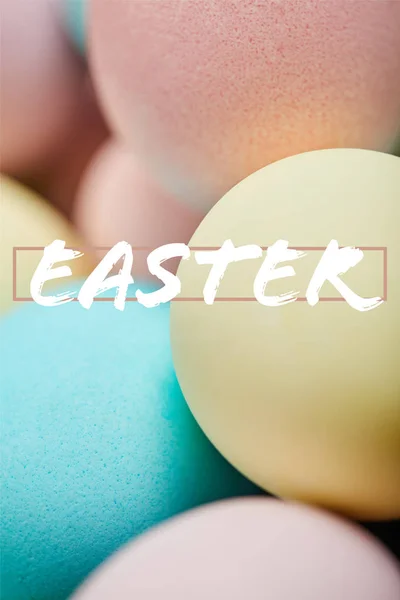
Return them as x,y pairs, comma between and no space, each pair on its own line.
98,444
76,21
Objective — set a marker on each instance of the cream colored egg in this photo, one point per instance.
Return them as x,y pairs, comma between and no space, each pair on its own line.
303,399
27,225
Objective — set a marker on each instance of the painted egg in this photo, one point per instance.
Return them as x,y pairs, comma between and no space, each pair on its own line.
98,442
209,92
118,200
28,224
249,549
292,369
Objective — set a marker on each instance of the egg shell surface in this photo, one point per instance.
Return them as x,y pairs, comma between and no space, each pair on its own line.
210,92
118,200
27,224
98,442
250,548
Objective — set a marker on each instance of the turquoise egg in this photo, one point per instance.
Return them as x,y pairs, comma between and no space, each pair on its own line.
98,442
76,21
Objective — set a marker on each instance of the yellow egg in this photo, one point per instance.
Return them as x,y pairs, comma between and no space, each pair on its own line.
303,397
28,224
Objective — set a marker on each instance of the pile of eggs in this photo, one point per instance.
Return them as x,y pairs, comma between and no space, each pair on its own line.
224,451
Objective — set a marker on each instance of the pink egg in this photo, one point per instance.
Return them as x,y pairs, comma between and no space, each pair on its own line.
118,201
256,549
209,92
41,78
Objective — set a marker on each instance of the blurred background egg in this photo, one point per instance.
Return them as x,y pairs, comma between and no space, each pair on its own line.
254,549
209,92
118,200
41,81
75,11
98,442
27,220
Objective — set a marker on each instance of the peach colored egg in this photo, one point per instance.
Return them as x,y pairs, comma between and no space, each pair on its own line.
118,201
254,548
209,92
41,78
